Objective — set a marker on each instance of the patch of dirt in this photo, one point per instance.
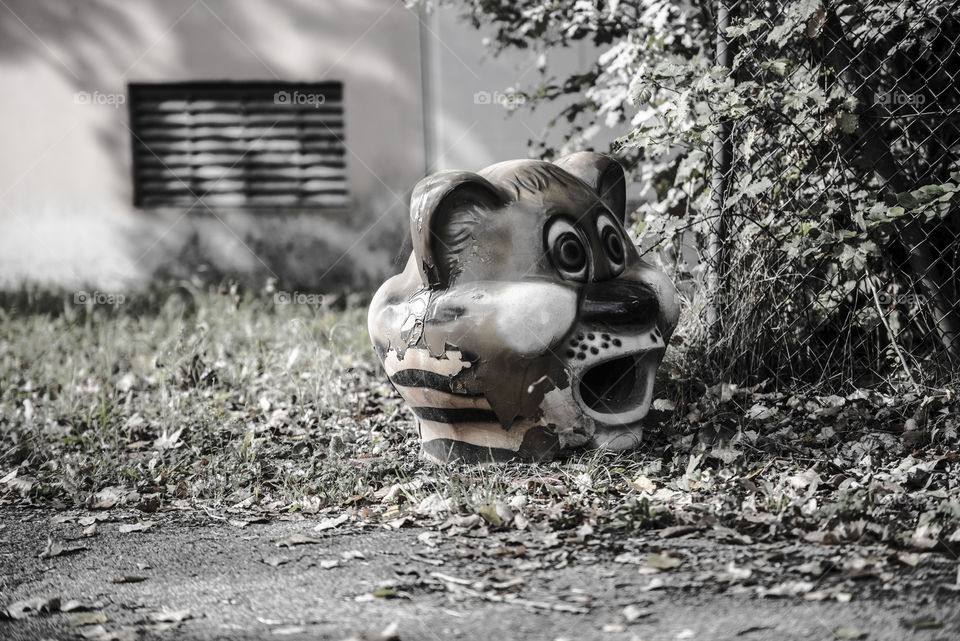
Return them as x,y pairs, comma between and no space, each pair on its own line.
196,575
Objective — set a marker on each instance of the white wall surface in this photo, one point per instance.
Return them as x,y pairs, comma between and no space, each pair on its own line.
66,213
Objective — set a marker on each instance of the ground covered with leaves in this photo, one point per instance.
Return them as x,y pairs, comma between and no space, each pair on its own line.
198,575
229,406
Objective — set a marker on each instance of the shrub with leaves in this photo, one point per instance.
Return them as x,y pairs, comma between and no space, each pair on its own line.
842,123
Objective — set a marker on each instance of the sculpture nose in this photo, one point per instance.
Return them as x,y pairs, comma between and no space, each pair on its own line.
619,303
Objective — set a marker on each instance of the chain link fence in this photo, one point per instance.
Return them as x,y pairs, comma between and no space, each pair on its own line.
833,256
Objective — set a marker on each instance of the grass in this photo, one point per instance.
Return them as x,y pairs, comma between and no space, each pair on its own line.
220,394
224,399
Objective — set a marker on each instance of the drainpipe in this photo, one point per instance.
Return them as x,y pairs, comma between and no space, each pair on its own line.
427,96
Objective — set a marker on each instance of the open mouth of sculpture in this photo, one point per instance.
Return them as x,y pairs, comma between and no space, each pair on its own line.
620,389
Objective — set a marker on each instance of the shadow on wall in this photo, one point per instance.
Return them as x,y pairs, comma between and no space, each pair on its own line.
97,45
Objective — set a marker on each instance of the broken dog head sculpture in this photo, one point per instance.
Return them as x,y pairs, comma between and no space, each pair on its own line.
525,322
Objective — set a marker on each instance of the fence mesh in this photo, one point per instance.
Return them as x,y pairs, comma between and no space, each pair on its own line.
837,236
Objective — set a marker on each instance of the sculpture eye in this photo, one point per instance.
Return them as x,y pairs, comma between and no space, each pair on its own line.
613,245
570,253
567,250
612,241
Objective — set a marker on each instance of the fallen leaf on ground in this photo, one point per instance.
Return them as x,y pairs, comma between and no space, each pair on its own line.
430,539
100,633
329,524
489,514
87,618
760,412
655,584
787,588
642,484
169,616
633,613
834,593
812,568
56,548
95,632
921,623
446,578
663,562
139,526
733,572
848,632
910,558
297,539
287,630
678,530
31,607
168,440
105,498
21,485
556,607
75,606
129,579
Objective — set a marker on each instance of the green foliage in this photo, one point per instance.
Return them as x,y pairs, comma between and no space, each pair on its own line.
185,394
842,117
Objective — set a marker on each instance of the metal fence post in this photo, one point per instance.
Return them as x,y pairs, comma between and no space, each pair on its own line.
720,165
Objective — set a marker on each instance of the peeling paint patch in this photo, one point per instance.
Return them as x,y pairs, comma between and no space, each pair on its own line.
496,325
572,427
450,364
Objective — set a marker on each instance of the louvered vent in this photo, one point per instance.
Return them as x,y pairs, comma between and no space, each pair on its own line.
249,145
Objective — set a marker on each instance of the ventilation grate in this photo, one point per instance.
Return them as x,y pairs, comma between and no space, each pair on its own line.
238,145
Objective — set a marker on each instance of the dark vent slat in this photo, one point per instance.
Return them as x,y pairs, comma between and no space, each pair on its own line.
332,201
200,187
282,157
215,172
235,132
234,145
241,148
331,145
184,173
262,146
329,117
254,101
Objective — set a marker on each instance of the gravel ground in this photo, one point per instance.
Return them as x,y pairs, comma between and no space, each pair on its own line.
195,575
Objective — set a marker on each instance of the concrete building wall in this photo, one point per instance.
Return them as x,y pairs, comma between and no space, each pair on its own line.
471,86
66,206
65,177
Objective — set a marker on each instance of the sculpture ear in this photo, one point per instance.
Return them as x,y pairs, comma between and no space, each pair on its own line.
444,209
604,174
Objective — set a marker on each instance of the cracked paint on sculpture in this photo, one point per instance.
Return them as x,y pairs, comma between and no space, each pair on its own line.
525,322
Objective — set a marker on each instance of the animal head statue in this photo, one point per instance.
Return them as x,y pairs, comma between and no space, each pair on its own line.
525,321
